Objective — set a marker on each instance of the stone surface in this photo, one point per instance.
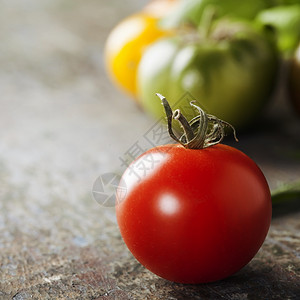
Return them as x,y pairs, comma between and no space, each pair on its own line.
62,125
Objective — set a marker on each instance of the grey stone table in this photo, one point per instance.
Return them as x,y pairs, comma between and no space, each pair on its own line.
62,125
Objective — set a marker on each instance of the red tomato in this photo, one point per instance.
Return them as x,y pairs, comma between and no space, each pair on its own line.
194,216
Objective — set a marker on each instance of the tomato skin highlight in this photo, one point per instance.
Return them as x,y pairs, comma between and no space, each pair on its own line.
198,216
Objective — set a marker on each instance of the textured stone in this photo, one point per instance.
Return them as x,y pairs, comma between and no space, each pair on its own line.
62,125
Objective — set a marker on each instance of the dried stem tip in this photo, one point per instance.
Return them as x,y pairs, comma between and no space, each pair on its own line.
202,131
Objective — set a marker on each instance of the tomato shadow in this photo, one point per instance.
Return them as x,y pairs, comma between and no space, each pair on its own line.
258,281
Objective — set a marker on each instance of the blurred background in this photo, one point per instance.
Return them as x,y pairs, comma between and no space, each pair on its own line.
62,125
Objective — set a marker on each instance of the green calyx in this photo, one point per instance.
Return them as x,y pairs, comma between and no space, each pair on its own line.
201,132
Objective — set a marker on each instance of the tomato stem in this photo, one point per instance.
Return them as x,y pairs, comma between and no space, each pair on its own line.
188,131
206,22
202,131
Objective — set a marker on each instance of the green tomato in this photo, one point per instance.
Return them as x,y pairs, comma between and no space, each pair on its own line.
230,74
286,22
191,11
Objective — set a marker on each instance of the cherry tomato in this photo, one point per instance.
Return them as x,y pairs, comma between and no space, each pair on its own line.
231,72
194,215
125,46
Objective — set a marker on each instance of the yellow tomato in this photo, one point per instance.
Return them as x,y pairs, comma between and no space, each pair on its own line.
125,46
